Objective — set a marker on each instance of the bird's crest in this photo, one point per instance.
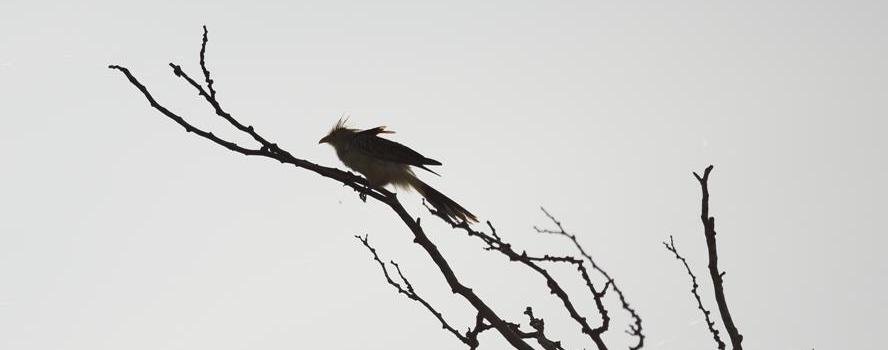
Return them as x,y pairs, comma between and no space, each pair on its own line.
341,124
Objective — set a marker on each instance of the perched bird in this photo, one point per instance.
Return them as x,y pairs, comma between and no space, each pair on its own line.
384,162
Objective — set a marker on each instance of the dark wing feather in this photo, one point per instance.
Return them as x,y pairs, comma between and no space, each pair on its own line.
367,142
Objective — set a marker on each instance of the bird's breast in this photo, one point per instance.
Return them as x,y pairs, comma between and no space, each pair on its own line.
378,172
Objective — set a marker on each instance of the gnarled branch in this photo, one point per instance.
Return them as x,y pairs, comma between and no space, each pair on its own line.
635,329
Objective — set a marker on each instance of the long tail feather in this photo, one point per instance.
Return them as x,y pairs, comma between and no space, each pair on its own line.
443,204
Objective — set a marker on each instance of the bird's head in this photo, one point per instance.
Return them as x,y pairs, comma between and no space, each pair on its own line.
339,134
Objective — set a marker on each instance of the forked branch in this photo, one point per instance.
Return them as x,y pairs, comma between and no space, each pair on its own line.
471,336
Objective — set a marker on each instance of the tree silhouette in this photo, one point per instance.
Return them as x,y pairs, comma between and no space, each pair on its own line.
518,335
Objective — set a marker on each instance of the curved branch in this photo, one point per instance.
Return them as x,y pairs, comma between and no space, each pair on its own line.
271,150
694,286
635,329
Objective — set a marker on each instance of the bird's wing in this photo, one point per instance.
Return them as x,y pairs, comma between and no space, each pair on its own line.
368,143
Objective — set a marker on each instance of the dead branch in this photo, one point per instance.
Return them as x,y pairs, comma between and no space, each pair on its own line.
635,329
271,150
714,273
471,336
694,286
494,242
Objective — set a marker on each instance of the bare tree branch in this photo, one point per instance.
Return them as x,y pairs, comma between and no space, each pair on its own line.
635,329
495,243
203,64
709,323
272,150
471,336
717,277
470,339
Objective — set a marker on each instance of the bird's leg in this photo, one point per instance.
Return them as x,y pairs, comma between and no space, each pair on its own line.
362,190
367,188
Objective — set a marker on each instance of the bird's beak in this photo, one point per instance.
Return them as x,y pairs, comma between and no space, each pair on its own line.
323,140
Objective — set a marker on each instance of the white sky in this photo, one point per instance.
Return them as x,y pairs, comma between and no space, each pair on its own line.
120,231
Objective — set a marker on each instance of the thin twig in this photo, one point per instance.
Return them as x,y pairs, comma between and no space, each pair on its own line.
203,64
635,329
410,292
694,286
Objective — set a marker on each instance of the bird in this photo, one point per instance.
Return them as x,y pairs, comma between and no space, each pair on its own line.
386,162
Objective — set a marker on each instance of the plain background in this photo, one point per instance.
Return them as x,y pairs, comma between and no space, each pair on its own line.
120,231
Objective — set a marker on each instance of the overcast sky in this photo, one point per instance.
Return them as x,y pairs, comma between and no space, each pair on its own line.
118,230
